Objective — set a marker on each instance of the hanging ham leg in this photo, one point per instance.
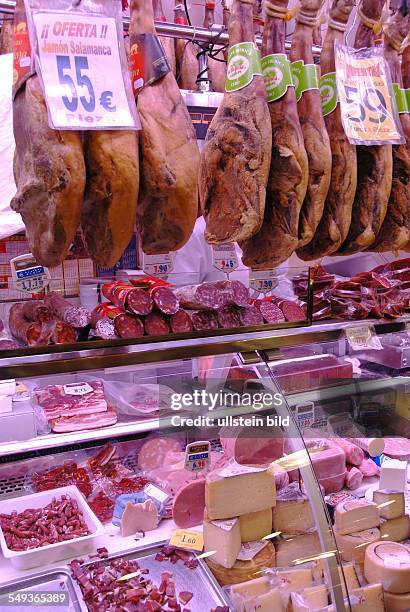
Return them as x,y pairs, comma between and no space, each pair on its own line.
395,231
236,157
337,212
405,67
185,52
6,35
313,127
166,41
216,67
374,164
168,200
278,236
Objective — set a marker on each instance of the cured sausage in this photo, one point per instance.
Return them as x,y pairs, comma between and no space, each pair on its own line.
270,312
77,316
197,297
288,178
63,333
166,41
36,310
168,197
105,328
156,325
337,212
185,52
128,326
203,320
291,311
315,135
124,324
250,316
165,300
136,300
237,153
235,292
374,162
228,317
180,322
216,67
32,334
394,233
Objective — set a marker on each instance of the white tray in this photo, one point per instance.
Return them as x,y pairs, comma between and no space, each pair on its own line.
45,555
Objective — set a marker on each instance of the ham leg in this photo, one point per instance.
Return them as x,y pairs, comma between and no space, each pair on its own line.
6,35
166,41
185,52
216,67
286,190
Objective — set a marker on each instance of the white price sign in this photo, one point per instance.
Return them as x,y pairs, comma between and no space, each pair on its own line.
224,257
363,337
81,70
158,265
28,275
263,281
78,389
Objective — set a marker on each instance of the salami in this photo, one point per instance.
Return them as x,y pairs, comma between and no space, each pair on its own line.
134,299
250,316
105,328
228,317
35,310
32,334
291,311
128,326
165,300
270,312
123,324
103,311
63,333
203,320
235,292
180,322
205,296
156,325
77,316
8,345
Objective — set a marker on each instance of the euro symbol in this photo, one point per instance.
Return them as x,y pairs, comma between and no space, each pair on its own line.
106,101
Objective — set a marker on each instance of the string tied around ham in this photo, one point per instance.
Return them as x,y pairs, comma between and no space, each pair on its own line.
312,21
376,25
337,25
279,12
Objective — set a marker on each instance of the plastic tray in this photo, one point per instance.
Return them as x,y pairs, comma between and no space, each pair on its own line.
45,555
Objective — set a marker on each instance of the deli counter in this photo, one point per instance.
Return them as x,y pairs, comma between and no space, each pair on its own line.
256,471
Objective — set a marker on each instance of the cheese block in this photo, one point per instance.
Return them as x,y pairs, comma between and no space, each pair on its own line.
292,579
265,603
243,570
256,525
367,599
397,603
395,530
393,475
236,490
350,577
223,537
255,594
292,513
304,546
356,515
352,546
388,563
251,588
391,503
310,599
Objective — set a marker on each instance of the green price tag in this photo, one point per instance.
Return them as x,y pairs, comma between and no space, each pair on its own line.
304,77
243,64
277,74
401,98
328,92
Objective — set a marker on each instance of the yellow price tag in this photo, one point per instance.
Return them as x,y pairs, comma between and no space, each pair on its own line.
364,87
191,540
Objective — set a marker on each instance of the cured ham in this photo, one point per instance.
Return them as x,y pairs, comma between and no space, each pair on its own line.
217,66
166,41
185,53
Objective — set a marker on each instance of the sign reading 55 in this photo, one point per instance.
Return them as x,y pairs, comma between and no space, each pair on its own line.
367,104
65,69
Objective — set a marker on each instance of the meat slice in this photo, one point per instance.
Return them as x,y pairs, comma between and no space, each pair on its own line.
394,233
315,135
185,52
6,35
286,190
166,41
236,156
217,66
168,201
374,162
337,212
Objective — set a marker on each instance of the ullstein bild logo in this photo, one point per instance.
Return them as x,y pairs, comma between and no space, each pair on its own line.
222,399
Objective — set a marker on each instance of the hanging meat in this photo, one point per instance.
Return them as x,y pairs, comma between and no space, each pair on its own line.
6,35
166,41
237,152
168,200
49,171
337,211
374,162
315,136
185,53
225,20
395,230
217,66
288,178
405,66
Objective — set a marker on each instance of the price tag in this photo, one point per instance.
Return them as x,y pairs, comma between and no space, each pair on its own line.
197,456
368,112
263,281
363,337
224,257
305,414
158,265
156,493
190,540
28,275
78,389
249,550
79,57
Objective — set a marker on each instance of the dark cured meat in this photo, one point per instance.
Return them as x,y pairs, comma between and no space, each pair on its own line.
105,328
134,299
337,212
291,311
228,317
6,35
203,320
216,68
156,325
250,316
235,292
32,334
278,237
180,322
236,157
374,165
7,345
63,333
185,52
35,310
271,312
315,135
165,300
204,296
77,316
166,41
128,326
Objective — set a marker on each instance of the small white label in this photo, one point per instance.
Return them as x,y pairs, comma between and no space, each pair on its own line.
363,337
263,281
158,265
28,275
235,469
305,414
250,549
155,493
224,257
197,456
226,525
78,389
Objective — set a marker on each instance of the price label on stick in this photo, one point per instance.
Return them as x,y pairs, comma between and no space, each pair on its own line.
363,337
28,275
224,257
197,456
158,265
190,540
81,70
263,281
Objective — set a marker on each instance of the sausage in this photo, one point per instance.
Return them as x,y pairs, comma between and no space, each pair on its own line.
250,316
128,326
32,334
228,317
8,345
105,328
123,324
205,296
235,292
353,477
203,320
77,316
35,310
156,325
291,311
270,312
180,322
63,333
165,300
134,299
